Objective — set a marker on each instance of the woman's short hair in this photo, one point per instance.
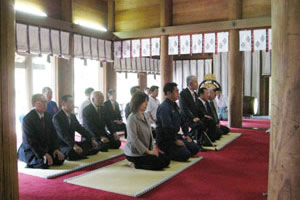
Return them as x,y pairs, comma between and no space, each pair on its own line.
137,100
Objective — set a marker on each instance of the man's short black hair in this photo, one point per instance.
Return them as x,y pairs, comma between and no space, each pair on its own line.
111,92
169,87
218,89
65,98
137,100
201,90
134,89
152,88
88,91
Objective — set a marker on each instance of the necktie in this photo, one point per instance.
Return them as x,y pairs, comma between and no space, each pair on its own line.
113,105
69,120
43,122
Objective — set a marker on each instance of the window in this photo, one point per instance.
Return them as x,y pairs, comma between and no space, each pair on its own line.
85,76
43,74
21,97
123,87
152,81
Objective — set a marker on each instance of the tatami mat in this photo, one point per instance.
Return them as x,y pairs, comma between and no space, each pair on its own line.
224,141
121,179
70,166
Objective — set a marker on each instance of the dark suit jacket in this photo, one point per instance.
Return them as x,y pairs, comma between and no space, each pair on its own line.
95,122
110,113
201,109
127,110
38,140
66,131
213,112
188,105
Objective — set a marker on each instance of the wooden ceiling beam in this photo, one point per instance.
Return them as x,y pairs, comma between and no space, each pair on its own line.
48,22
260,22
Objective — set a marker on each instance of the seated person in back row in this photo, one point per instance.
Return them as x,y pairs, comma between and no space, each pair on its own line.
223,130
51,105
39,148
95,122
133,90
168,125
66,124
113,113
140,143
86,102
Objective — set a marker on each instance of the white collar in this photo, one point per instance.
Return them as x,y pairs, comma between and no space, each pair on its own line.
39,114
68,115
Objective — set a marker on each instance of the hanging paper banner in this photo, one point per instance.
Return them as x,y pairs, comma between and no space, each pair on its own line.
270,39
245,40
117,49
223,41
185,44
260,39
145,47
197,43
135,48
155,46
209,43
126,49
173,45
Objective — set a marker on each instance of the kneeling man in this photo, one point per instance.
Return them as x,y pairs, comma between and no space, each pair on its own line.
95,121
66,123
39,148
168,125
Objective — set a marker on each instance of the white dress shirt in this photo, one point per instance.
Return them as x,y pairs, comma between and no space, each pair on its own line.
221,101
152,107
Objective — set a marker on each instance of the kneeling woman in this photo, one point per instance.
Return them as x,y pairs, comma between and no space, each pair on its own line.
139,147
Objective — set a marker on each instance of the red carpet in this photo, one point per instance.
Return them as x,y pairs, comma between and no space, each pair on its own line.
254,123
239,171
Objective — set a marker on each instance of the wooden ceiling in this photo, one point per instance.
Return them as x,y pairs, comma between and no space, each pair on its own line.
133,15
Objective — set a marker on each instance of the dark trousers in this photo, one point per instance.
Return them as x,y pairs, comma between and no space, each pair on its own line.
224,130
120,127
34,161
180,153
112,144
87,149
150,162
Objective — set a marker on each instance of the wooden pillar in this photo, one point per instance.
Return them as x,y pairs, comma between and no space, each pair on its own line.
284,159
110,75
65,67
264,95
8,154
235,69
166,61
142,80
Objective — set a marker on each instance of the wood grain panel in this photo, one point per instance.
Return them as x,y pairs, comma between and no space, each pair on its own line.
195,11
137,15
51,7
256,8
132,4
94,11
8,154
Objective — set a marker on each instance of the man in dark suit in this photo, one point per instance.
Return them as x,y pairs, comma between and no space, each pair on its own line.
188,104
66,123
112,112
221,130
95,122
205,116
133,90
39,148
